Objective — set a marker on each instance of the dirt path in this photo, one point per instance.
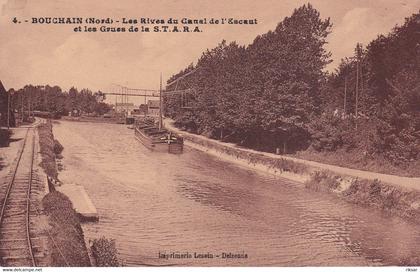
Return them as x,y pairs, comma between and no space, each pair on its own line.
9,154
404,182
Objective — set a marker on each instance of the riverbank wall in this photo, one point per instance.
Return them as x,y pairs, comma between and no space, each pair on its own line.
276,166
396,195
111,120
66,241
66,207
391,199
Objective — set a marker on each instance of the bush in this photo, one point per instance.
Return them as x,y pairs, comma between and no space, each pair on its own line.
58,148
391,199
68,247
47,144
326,133
375,188
5,137
289,166
323,181
105,252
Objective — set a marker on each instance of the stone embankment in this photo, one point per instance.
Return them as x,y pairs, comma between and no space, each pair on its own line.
66,241
66,206
393,194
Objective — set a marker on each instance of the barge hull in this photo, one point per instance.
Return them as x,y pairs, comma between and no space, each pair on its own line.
174,148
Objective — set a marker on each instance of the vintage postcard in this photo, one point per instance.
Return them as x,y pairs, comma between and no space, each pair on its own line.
196,133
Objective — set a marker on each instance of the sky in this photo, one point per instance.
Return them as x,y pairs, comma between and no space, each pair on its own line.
56,55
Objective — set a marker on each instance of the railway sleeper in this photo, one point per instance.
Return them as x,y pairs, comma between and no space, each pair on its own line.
13,233
19,248
22,245
7,232
18,210
14,206
36,241
16,252
22,257
15,221
20,203
7,224
20,178
16,213
19,190
18,199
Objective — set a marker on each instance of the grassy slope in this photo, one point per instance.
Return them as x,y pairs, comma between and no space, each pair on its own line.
374,193
356,160
67,243
46,140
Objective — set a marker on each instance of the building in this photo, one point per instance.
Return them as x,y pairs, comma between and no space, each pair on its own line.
124,107
3,108
153,107
3,105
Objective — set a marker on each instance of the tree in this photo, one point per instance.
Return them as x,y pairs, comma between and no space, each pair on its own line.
288,66
387,76
262,95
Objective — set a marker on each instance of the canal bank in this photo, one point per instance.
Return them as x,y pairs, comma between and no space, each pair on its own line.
89,119
65,235
66,206
393,194
153,202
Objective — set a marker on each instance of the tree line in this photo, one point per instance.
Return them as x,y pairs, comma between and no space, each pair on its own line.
56,101
377,90
275,93
51,99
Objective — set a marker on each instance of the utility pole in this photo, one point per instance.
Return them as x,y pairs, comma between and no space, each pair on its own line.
182,100
126,100
357,86
21,106
29,106
358,54
357,89
122,97
9,95
8,110
361,79
345,95
145,108
160,103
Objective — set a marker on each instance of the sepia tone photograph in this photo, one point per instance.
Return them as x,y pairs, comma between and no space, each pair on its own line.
197,133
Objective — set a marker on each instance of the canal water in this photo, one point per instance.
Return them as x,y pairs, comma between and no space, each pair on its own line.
154,204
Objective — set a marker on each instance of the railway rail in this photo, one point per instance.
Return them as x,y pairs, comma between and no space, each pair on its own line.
18,244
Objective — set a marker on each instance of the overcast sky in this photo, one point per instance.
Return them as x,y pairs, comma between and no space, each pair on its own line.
55,55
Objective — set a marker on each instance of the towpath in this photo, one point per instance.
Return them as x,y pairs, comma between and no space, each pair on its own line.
404,182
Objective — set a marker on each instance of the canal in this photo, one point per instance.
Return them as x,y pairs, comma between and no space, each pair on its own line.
153,203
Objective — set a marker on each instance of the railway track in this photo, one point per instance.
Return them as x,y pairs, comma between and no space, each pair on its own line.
18,244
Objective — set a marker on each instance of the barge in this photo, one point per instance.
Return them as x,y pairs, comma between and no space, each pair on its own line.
157,139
